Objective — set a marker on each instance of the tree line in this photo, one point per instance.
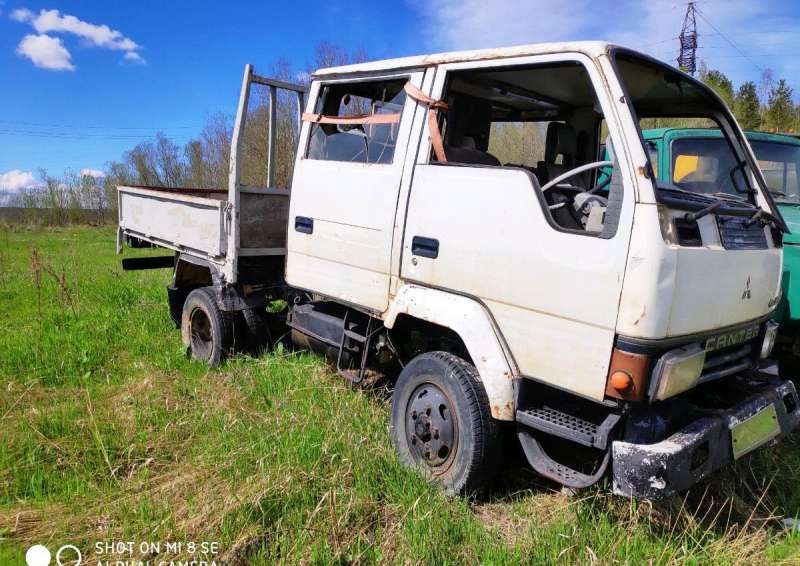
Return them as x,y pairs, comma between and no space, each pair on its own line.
768,106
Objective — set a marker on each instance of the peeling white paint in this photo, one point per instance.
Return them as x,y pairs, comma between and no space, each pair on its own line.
657,483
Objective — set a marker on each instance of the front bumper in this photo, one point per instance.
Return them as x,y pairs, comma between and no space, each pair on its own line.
661,469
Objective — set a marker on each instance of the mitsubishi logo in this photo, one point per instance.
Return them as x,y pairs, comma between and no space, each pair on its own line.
746,294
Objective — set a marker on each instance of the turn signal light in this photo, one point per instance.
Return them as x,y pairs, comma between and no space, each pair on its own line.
621,380
628,376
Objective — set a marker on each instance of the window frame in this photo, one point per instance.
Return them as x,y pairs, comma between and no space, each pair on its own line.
598,83
785,163
730,127
406,113
751,198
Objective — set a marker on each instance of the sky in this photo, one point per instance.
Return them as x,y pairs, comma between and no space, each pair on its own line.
83,81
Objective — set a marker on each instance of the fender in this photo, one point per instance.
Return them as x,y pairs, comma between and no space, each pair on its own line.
471,321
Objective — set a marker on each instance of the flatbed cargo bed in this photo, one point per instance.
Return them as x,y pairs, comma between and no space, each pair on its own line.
198,222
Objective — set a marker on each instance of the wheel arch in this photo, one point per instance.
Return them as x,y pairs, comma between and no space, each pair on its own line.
469,319
192,272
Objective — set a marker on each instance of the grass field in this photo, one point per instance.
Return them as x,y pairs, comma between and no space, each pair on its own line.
109,433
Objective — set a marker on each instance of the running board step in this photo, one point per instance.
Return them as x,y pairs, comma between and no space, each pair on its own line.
561,424
549,468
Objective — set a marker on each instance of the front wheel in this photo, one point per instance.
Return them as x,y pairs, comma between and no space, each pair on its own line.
441,423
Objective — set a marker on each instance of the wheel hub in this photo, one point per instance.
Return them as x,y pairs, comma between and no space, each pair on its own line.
431,429
201,334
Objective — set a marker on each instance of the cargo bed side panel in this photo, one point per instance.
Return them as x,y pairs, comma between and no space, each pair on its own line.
173,220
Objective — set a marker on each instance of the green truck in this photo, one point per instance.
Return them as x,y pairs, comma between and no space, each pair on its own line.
694,159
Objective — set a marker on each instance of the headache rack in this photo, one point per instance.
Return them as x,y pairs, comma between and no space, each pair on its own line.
218,226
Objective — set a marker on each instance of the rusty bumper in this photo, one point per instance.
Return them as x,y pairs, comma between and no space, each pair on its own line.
661,469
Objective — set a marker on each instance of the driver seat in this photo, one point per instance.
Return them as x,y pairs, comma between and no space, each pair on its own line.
561,140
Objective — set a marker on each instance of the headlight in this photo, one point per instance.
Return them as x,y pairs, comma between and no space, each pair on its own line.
770,333
677,371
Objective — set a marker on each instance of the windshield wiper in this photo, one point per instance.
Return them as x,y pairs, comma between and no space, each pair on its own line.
755,218
682,191
713,197
693,216
731,198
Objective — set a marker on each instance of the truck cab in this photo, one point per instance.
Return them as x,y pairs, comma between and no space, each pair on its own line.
684,154
488,228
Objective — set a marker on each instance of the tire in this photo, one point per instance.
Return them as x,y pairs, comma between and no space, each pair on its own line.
256,331
441,423
207,330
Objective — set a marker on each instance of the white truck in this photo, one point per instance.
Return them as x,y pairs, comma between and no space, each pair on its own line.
618,324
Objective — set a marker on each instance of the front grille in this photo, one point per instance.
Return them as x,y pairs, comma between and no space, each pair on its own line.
737,234
727,361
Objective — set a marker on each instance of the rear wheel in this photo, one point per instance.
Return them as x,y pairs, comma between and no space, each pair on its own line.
207,330
441,423
256,331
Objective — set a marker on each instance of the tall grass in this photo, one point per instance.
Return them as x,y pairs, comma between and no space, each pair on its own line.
109,433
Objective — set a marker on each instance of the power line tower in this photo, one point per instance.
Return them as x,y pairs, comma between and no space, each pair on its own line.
688,40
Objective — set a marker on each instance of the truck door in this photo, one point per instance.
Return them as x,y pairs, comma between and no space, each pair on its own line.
345,187
548,268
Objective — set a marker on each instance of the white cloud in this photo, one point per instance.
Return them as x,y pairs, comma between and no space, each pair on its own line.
134,57
46,52
762,30
96,173
475,24
21,15
99,35
15,180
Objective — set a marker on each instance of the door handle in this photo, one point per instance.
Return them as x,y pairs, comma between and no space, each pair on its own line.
425,247
304,224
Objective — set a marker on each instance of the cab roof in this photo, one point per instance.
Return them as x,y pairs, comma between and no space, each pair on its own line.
589,48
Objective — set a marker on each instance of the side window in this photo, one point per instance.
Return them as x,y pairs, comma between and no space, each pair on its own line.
357,122
519,143
780,164
703,165
543,118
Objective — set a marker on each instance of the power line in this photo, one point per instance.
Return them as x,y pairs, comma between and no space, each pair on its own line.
756,32
73,126
82,136
726,38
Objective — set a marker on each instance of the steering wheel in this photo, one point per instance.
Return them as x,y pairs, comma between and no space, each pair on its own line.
559,181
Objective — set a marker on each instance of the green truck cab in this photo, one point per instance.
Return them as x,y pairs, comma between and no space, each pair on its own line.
681,156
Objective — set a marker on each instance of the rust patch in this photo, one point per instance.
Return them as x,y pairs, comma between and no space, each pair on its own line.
637,367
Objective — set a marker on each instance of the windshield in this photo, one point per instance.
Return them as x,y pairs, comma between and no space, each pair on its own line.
705,165
779,162
667,103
